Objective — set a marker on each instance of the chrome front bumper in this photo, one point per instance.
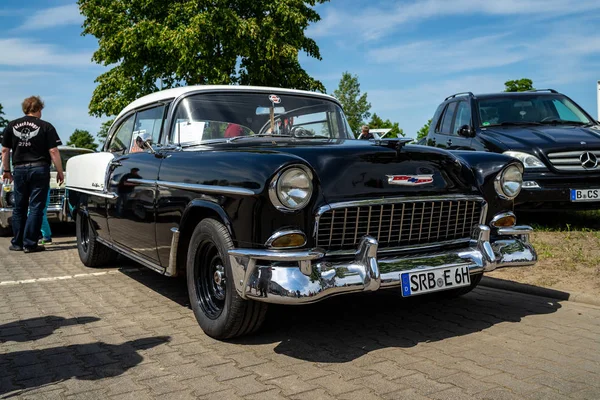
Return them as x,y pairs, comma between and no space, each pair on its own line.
298,277
55,213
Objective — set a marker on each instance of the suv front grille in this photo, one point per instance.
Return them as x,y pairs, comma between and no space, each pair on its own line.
570,160
56,196
398,224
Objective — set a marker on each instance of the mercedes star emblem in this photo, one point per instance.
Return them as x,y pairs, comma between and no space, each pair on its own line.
588,160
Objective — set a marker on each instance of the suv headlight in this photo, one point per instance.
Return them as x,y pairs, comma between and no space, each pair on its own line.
291,189
528,160
508,183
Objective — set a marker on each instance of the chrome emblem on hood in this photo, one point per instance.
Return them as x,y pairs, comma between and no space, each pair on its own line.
588,160
409,180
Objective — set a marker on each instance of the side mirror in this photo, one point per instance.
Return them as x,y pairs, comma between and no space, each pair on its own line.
144,141
466,131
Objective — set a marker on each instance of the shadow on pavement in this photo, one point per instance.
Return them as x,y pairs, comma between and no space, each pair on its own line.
24,370
344,328
37,328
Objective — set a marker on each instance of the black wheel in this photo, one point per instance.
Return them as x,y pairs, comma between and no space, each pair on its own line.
475,279
91,252
219,310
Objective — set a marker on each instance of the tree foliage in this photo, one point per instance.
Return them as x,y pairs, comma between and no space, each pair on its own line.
518,85
356,107
81,138
103,132
421,133
153,44
377,122
3,121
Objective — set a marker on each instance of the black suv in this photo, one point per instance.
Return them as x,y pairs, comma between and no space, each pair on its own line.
557,141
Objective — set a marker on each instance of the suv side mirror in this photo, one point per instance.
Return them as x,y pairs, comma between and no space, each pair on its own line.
466,131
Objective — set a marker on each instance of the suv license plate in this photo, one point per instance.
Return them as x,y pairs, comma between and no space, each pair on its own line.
434,280
585,194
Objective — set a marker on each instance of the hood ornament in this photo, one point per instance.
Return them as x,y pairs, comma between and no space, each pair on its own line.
409,180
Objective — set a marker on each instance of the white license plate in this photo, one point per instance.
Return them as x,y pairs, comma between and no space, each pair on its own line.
585,194
434,280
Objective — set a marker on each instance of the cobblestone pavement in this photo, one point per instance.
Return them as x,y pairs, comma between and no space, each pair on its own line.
125,332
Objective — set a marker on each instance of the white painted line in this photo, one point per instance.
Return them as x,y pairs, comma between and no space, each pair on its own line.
60,278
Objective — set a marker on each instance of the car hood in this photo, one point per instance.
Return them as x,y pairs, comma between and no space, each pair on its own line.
352,169
547,138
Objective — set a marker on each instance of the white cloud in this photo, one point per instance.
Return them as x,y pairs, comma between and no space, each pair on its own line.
373,23
28,53
52,17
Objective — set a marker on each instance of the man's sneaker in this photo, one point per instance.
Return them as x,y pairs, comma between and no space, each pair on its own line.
12,247
46,241
35,249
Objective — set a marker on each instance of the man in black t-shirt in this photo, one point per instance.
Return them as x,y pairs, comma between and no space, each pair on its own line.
33,143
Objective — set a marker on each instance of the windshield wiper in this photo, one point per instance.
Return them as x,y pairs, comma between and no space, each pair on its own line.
516,123
559,121
257,135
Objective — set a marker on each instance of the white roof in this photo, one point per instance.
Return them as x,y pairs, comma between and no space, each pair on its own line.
176,92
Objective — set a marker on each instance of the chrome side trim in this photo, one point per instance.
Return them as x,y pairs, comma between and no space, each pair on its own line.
172,268
130,254
143,181
278,234
105,195
193,187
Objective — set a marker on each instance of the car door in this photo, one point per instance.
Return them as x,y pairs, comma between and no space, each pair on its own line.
443,130
132,177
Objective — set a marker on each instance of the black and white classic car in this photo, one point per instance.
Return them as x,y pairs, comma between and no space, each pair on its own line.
57,208
262,195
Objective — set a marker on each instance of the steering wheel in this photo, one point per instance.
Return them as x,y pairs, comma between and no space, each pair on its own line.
299,131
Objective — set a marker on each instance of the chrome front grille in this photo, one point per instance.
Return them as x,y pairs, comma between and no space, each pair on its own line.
571,160
398,223
56,196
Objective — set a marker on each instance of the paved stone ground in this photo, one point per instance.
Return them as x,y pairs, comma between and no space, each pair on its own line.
127,333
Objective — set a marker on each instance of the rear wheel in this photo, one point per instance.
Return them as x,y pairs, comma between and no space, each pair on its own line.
218,308
91,252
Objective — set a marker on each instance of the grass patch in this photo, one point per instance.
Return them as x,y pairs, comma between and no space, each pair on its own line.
565,221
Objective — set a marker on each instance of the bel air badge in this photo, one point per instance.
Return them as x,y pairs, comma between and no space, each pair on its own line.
409,180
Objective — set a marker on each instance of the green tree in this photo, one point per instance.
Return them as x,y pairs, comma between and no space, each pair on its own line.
518,85
103,132
356,107
421,133
153,44
81,138
3,121
377,123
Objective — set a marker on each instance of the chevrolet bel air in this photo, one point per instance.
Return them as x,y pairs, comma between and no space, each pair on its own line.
263,195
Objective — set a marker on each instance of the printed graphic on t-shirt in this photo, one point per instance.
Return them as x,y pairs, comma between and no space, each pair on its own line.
26,131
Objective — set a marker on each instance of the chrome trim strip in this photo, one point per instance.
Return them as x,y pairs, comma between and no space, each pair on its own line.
132,255
105,195
404,249
142,181
172,268
274,255
194,187
515,230
278,234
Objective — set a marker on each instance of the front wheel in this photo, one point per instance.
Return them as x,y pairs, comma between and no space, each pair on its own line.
91,252
218,308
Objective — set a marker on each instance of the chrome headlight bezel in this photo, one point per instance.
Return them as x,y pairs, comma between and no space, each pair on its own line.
277,192
502,185
529,161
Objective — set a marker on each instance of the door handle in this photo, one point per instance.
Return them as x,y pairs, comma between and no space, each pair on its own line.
115,164
449,142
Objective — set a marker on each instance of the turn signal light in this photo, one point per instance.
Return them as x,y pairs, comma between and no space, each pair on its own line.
289,240
504,221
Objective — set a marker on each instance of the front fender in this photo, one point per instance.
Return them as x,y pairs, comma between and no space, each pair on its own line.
197,210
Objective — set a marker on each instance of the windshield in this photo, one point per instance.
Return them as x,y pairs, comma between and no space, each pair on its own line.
530,109
205,117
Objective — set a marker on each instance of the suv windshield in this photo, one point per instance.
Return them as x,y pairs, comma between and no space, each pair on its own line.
203,117
530,109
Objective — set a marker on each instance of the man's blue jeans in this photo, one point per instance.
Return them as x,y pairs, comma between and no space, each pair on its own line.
31,187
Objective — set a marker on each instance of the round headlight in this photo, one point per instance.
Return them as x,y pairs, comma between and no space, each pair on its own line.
508,183
291,190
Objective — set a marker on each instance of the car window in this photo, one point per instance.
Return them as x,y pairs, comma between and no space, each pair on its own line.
446,126
149,121
566,111
463,116
121,140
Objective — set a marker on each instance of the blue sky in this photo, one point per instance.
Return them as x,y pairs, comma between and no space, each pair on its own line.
408,55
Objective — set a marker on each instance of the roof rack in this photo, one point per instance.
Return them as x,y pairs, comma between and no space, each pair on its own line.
543,90
470,94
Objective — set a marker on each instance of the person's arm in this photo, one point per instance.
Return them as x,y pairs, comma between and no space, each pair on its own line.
55,156
6,174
